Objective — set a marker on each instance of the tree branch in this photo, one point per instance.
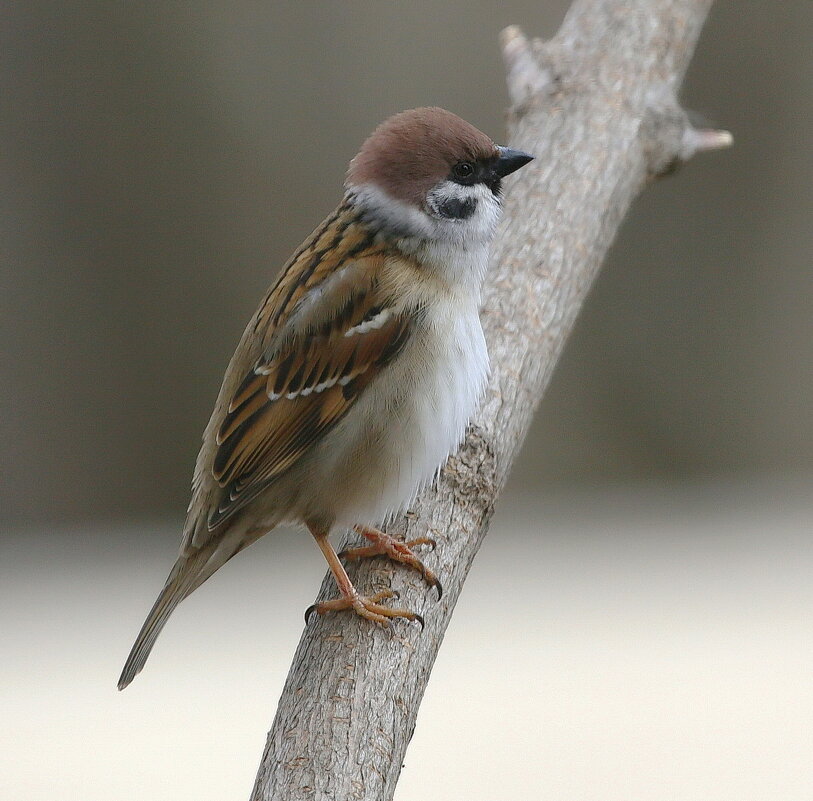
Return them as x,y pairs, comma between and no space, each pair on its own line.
597,106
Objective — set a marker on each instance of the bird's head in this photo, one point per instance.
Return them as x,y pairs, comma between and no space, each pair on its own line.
428,174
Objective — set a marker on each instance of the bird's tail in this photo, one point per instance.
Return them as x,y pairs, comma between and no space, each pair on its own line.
179,584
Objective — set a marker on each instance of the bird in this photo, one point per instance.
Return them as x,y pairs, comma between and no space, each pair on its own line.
357,375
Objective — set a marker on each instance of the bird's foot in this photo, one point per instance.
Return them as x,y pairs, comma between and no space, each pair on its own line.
368,607
395,549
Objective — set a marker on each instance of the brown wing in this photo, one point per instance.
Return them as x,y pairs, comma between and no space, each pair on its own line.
303,387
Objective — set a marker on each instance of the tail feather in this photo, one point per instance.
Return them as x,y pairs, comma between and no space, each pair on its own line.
186,576
175,590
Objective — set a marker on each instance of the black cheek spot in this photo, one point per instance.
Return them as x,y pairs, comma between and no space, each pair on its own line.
457,209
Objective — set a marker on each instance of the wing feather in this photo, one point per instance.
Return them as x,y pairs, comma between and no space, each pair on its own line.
324,354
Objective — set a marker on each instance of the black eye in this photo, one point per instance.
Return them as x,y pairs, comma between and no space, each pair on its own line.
463,170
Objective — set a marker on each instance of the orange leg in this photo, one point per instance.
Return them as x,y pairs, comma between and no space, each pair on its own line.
397,550
366,606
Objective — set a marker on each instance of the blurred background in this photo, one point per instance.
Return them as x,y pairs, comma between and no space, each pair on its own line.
159,163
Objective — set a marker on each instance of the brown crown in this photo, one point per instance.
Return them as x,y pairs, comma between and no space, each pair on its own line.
412,151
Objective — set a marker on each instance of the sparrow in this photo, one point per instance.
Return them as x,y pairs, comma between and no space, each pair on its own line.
358,373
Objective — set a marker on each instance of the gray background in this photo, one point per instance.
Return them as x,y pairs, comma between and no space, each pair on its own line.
638,623
160,161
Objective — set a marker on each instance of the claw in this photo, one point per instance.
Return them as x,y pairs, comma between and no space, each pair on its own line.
432,543
399,551
369,607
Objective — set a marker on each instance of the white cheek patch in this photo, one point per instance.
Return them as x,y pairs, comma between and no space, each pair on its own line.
428,224
451,201
476,226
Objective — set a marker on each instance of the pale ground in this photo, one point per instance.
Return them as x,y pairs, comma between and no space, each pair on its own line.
636,644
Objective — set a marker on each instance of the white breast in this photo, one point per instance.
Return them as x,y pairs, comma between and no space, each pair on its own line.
409,420
447,395
403,429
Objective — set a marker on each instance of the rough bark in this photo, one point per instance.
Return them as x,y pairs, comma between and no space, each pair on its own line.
597,106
